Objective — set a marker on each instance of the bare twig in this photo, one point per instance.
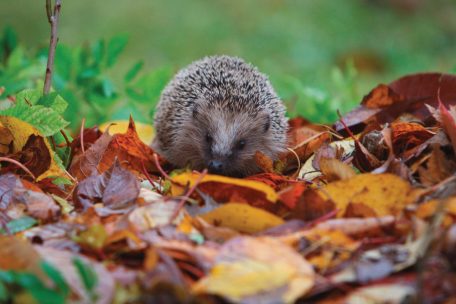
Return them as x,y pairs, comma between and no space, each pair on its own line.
20,165
81,134
53,18
181,203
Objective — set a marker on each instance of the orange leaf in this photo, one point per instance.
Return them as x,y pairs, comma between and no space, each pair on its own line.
227,189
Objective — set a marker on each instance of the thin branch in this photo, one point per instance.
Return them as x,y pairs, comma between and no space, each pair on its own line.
181,203
81,134
20,165
49,10
54,21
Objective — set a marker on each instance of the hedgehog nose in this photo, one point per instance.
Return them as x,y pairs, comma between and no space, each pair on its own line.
215,166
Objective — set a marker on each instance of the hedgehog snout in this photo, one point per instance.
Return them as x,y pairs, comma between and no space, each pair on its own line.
216,166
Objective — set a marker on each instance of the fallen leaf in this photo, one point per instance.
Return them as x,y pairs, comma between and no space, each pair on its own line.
291,196
22,132
145,132
18,254
226,189
438,167
16,194
406,136
133,154
428,209
407,94
116,188
381,293
309,171
386,194
311,206
242,218
264,162
6,139
330,248
449,123
85,165
334,169
257,270
64,262
155,214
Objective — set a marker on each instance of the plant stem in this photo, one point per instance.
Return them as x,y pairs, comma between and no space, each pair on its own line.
53,21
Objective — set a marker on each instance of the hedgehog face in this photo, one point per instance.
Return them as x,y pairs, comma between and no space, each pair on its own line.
227,141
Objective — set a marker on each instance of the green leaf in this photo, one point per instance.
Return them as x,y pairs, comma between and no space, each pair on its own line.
46,120
133,71
55,275
54,101
10,38
115,46
87,274
149,87
61,181
64,62
98,51
16,58
7,277
21,224
3,293
107,87
28,96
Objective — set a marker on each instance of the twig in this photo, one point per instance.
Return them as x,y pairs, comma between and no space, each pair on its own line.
152,183
10,160
187,196
157,164
53,18
81,134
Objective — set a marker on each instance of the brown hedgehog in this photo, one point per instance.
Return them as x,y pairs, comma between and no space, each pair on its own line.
216,113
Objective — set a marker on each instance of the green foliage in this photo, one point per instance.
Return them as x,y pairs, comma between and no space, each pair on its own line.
318,104
42,112
82,76
13,284
88,276
20,224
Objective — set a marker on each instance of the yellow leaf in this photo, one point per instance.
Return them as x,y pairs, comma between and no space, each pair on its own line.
266,268
242,217
189,179
428,209
145,132
386,194
5,139
21,132
334,247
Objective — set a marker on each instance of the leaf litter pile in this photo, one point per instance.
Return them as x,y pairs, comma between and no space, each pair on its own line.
362,211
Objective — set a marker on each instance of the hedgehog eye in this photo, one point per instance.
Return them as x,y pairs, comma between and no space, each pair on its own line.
240,144
208,138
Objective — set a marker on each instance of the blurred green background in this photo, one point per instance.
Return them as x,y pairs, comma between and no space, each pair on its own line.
115,56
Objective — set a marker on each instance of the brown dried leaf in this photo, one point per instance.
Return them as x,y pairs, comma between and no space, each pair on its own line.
333,169
86,164
116,188
19,194
438,167
132,153
264,162
414,90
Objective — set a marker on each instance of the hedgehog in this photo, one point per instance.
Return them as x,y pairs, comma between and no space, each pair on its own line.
217,113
